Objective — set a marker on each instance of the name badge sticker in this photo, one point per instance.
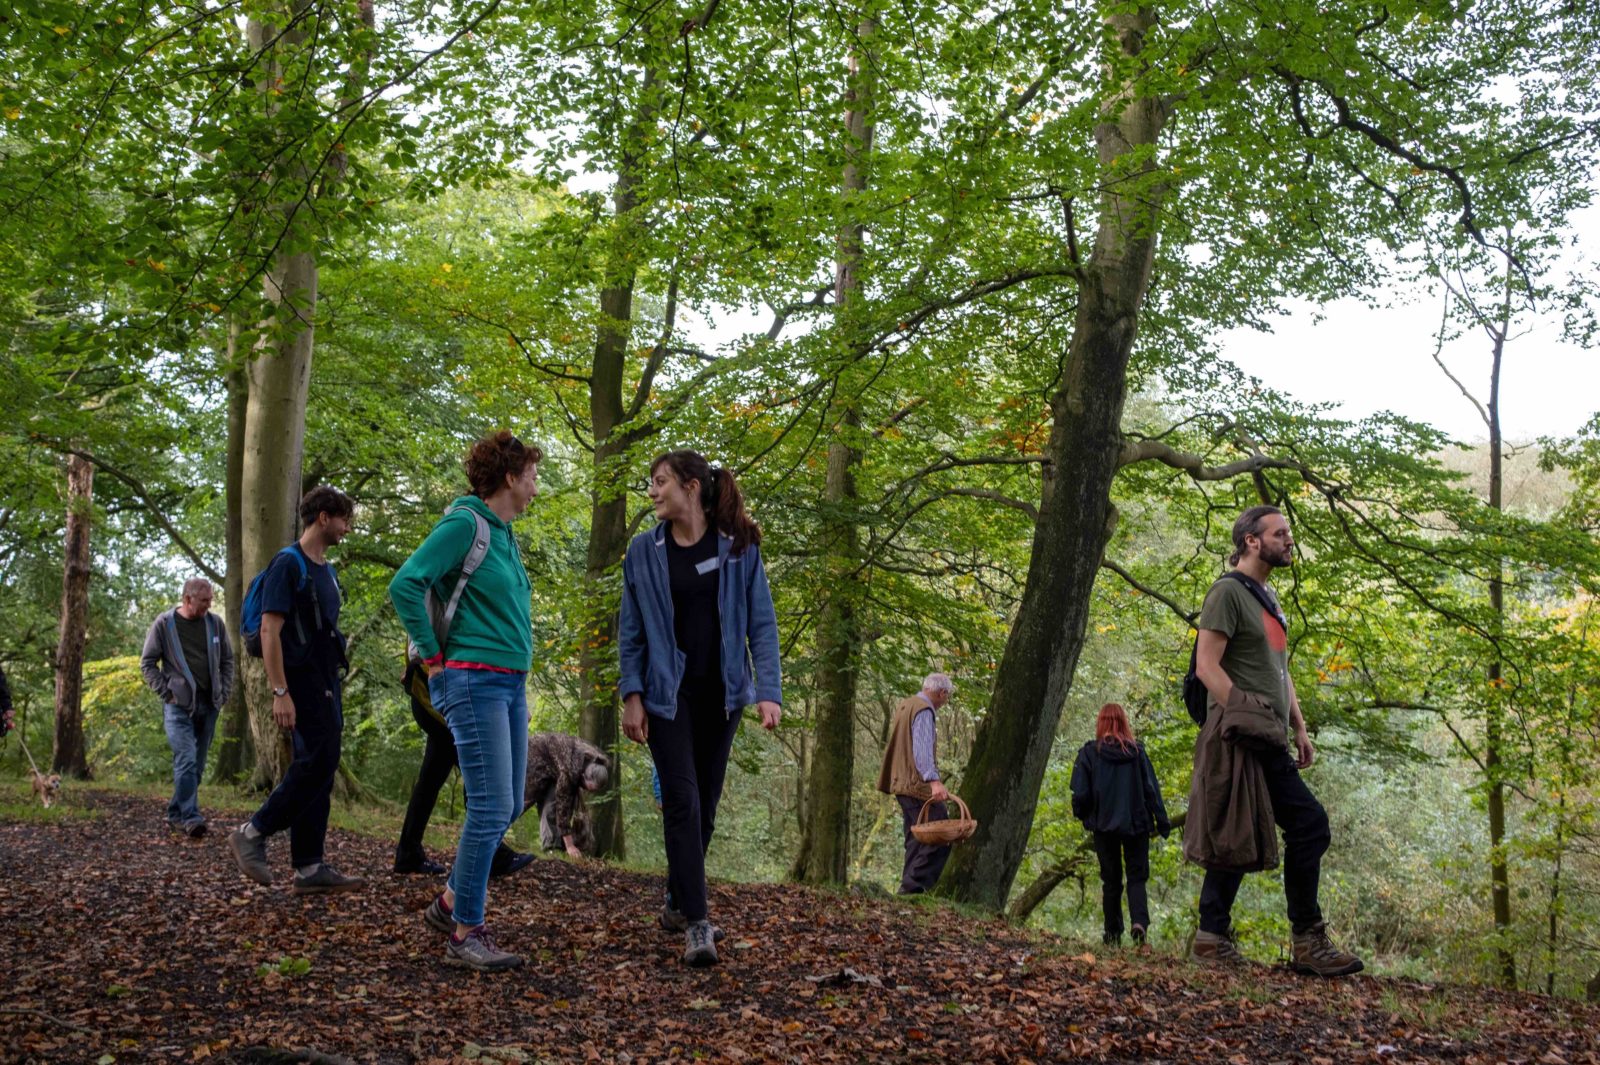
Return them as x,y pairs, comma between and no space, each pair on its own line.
707,566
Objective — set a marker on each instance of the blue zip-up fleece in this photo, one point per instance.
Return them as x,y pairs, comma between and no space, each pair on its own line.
651,663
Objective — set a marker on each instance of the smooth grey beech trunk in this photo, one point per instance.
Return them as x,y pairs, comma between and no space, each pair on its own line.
824,855
1006,770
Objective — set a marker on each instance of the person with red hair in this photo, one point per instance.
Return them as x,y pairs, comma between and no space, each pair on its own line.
1117,797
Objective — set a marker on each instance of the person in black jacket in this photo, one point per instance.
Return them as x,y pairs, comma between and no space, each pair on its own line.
1117,797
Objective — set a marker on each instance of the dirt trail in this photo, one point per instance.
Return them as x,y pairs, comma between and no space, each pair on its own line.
128,943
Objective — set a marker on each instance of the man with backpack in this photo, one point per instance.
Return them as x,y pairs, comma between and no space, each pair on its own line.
291,619
1242,659
188,662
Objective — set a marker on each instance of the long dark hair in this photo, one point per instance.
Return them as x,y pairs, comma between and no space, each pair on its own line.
720,497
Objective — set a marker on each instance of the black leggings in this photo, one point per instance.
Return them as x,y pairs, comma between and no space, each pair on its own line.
1117,853
691,755
438,759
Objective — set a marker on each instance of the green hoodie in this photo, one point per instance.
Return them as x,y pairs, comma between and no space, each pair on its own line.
493,625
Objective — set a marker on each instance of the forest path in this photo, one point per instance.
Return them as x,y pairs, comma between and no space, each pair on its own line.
125,942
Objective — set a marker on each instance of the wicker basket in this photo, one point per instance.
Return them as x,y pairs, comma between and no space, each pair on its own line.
950,830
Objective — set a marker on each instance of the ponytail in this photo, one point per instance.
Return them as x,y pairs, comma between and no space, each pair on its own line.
720,497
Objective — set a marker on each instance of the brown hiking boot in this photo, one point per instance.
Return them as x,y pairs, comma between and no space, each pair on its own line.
1313,953
1217,948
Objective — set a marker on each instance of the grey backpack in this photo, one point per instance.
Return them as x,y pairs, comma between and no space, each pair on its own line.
440,616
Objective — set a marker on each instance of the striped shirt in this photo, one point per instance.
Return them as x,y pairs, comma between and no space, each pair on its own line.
922,745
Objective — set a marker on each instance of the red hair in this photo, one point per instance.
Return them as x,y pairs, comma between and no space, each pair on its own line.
1112,724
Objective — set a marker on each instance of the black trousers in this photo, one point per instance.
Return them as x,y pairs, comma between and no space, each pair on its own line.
438,759
691,755
1118,854
300,801
1305,840
924,862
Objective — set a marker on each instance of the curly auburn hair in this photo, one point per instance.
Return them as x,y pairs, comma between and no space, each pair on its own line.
496,457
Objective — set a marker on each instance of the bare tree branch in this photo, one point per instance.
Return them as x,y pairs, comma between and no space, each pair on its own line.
1188,616
1135,451
143,495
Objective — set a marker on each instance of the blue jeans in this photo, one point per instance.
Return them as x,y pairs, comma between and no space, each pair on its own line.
488,716
190,740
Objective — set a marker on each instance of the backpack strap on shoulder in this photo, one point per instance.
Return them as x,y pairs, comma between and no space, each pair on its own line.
476,553
296,552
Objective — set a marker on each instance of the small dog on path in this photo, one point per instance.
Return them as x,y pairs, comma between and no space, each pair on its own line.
45,787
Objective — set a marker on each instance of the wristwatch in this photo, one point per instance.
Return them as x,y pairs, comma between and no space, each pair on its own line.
278,693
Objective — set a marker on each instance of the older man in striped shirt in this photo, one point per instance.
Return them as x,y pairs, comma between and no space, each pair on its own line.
911,774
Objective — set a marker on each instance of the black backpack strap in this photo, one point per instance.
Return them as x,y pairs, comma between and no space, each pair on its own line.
1260,595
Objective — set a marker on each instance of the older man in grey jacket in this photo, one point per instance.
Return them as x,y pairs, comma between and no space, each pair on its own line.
188,663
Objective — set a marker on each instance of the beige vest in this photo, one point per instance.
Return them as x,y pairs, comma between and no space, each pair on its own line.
899,774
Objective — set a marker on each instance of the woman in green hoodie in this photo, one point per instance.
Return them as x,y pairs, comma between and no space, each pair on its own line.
477,672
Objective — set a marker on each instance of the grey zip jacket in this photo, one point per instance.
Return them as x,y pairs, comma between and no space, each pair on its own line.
166,672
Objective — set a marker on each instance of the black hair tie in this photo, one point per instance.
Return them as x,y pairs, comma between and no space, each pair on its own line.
714,488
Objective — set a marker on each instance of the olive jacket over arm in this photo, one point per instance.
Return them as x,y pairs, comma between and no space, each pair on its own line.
1229,827
1229,824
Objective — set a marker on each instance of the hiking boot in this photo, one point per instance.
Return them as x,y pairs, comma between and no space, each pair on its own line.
1217,948
326,881
476,950
700,945
1137,934
674,921
507,861
1111,939
251,854
1313,953
439,916
195,829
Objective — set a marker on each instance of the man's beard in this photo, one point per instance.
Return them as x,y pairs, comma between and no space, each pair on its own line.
1280,559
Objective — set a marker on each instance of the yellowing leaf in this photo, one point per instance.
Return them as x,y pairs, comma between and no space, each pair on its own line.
13,113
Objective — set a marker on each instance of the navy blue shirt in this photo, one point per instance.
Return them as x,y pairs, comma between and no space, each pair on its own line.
282,593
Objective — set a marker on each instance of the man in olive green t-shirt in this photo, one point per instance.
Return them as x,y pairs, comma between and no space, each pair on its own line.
1243,643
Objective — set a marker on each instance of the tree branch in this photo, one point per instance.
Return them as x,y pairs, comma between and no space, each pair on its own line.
1188,616
143,495
658,354
1135,451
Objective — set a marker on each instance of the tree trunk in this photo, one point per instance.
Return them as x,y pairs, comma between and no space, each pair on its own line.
599,714
235,751
824,856
1494,725
279,377
71,756
274,441
1006,770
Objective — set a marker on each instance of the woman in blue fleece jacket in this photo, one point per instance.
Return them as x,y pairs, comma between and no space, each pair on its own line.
698,642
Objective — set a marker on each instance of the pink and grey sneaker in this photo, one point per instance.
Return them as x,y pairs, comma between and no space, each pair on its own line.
477,950
440,916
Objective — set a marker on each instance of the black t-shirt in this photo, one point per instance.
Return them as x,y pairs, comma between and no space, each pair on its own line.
193,640
696,617
282,592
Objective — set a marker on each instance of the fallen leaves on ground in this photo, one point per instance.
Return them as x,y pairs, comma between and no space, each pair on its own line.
126,942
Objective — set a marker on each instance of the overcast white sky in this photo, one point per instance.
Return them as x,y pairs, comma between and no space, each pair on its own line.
1371,359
